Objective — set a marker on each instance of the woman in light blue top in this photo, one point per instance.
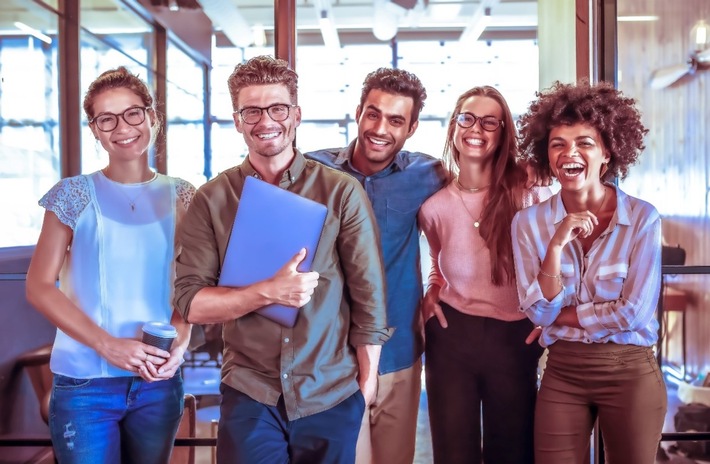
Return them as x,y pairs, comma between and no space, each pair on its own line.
588,264
109,238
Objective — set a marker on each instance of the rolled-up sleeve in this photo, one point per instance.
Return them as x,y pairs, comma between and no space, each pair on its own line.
197,264
358,245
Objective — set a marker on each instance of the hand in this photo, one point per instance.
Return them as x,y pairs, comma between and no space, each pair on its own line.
152,372
292,287
130,354
575,224
431,308
534,335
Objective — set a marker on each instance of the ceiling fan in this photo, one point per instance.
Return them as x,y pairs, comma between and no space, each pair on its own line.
699,59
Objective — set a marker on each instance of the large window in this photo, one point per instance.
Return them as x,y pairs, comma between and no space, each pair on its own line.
29,105
186,108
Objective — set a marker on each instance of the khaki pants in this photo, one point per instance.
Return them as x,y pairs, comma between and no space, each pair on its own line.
621,385
389,425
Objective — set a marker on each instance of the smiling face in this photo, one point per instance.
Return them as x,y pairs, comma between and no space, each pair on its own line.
267,138
125,142
474,143
576,154
383,123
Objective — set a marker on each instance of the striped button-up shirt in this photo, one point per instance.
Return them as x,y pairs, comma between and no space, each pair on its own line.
614,286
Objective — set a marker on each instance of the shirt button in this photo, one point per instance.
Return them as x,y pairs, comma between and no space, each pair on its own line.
285,376
286,340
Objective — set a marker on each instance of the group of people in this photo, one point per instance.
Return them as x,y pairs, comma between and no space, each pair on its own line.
514,269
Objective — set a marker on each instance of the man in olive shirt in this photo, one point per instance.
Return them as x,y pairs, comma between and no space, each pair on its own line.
288,394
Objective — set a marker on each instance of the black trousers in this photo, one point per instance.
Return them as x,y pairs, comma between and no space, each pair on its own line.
481,382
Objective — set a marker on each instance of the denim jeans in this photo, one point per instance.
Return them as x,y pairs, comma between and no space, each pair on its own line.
114,419
254,433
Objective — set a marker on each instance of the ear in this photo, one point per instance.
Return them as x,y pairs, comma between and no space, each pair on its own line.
358,111
413,128
297,116
94,131
237,122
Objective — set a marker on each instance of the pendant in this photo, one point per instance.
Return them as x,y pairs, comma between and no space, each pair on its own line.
133,207
476,224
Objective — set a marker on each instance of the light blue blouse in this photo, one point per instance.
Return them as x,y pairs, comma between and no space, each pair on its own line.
119,267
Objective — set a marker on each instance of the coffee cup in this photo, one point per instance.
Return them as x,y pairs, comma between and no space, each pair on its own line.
159,334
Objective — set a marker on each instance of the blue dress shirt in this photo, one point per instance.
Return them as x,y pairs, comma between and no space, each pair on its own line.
396,193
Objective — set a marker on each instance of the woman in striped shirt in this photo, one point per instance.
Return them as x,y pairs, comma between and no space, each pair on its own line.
588,264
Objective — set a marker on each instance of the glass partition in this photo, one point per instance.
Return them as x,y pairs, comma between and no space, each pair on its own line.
29,136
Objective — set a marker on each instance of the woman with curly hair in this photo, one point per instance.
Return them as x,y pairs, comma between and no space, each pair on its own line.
588,264
478,366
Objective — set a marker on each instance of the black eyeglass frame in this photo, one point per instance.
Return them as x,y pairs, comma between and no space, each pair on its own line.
122,115
479,119
268,110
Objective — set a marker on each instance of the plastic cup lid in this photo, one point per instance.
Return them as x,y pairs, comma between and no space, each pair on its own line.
160,329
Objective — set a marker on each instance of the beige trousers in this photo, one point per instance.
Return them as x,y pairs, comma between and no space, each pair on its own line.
389,426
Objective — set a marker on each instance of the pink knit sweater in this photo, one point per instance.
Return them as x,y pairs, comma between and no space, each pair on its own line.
460,259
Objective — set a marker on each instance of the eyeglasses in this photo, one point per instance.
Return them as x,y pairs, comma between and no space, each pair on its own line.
488,123
252,114
106,122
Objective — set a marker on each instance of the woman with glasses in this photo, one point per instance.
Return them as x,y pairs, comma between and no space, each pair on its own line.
481,376
109,239
588,263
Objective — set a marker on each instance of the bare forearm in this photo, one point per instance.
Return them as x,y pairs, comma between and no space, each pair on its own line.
568,317
221,304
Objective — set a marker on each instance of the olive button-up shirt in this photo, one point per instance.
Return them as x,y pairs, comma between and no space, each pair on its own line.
313,365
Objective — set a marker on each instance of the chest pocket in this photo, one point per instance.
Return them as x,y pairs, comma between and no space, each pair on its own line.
609,280
402,214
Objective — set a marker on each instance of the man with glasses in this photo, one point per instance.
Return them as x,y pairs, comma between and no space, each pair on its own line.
288,394
397,183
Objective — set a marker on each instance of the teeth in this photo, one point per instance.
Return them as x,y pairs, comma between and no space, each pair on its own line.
572,166
127,141
478,142
270,135
378,142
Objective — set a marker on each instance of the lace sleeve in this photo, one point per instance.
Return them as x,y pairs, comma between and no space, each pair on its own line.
67,199
185,191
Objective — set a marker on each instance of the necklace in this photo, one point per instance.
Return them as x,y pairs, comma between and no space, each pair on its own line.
131,201
476,222
472,190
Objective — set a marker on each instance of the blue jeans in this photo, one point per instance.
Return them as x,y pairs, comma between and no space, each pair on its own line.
114,419
254,433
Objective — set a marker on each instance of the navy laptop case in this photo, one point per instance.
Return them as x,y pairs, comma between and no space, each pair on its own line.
270,227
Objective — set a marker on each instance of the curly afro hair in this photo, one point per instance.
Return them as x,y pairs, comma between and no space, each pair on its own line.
600,106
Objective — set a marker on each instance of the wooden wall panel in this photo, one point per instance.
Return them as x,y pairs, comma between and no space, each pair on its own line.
674,170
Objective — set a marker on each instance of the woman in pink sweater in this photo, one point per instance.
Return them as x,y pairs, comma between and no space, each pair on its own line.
481,376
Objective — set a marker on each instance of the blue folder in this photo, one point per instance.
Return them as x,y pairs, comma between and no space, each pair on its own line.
270,227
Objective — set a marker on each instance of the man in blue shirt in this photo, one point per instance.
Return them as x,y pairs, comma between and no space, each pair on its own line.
397,182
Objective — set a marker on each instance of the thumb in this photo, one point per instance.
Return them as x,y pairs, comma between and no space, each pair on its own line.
293,263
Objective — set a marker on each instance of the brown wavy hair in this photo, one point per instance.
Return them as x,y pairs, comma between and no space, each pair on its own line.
262,70
601,106
504,196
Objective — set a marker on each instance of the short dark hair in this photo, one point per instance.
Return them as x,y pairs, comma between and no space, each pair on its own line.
262,70
601,106
396,82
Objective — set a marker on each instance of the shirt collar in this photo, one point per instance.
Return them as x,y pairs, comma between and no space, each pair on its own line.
345,156
289,176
